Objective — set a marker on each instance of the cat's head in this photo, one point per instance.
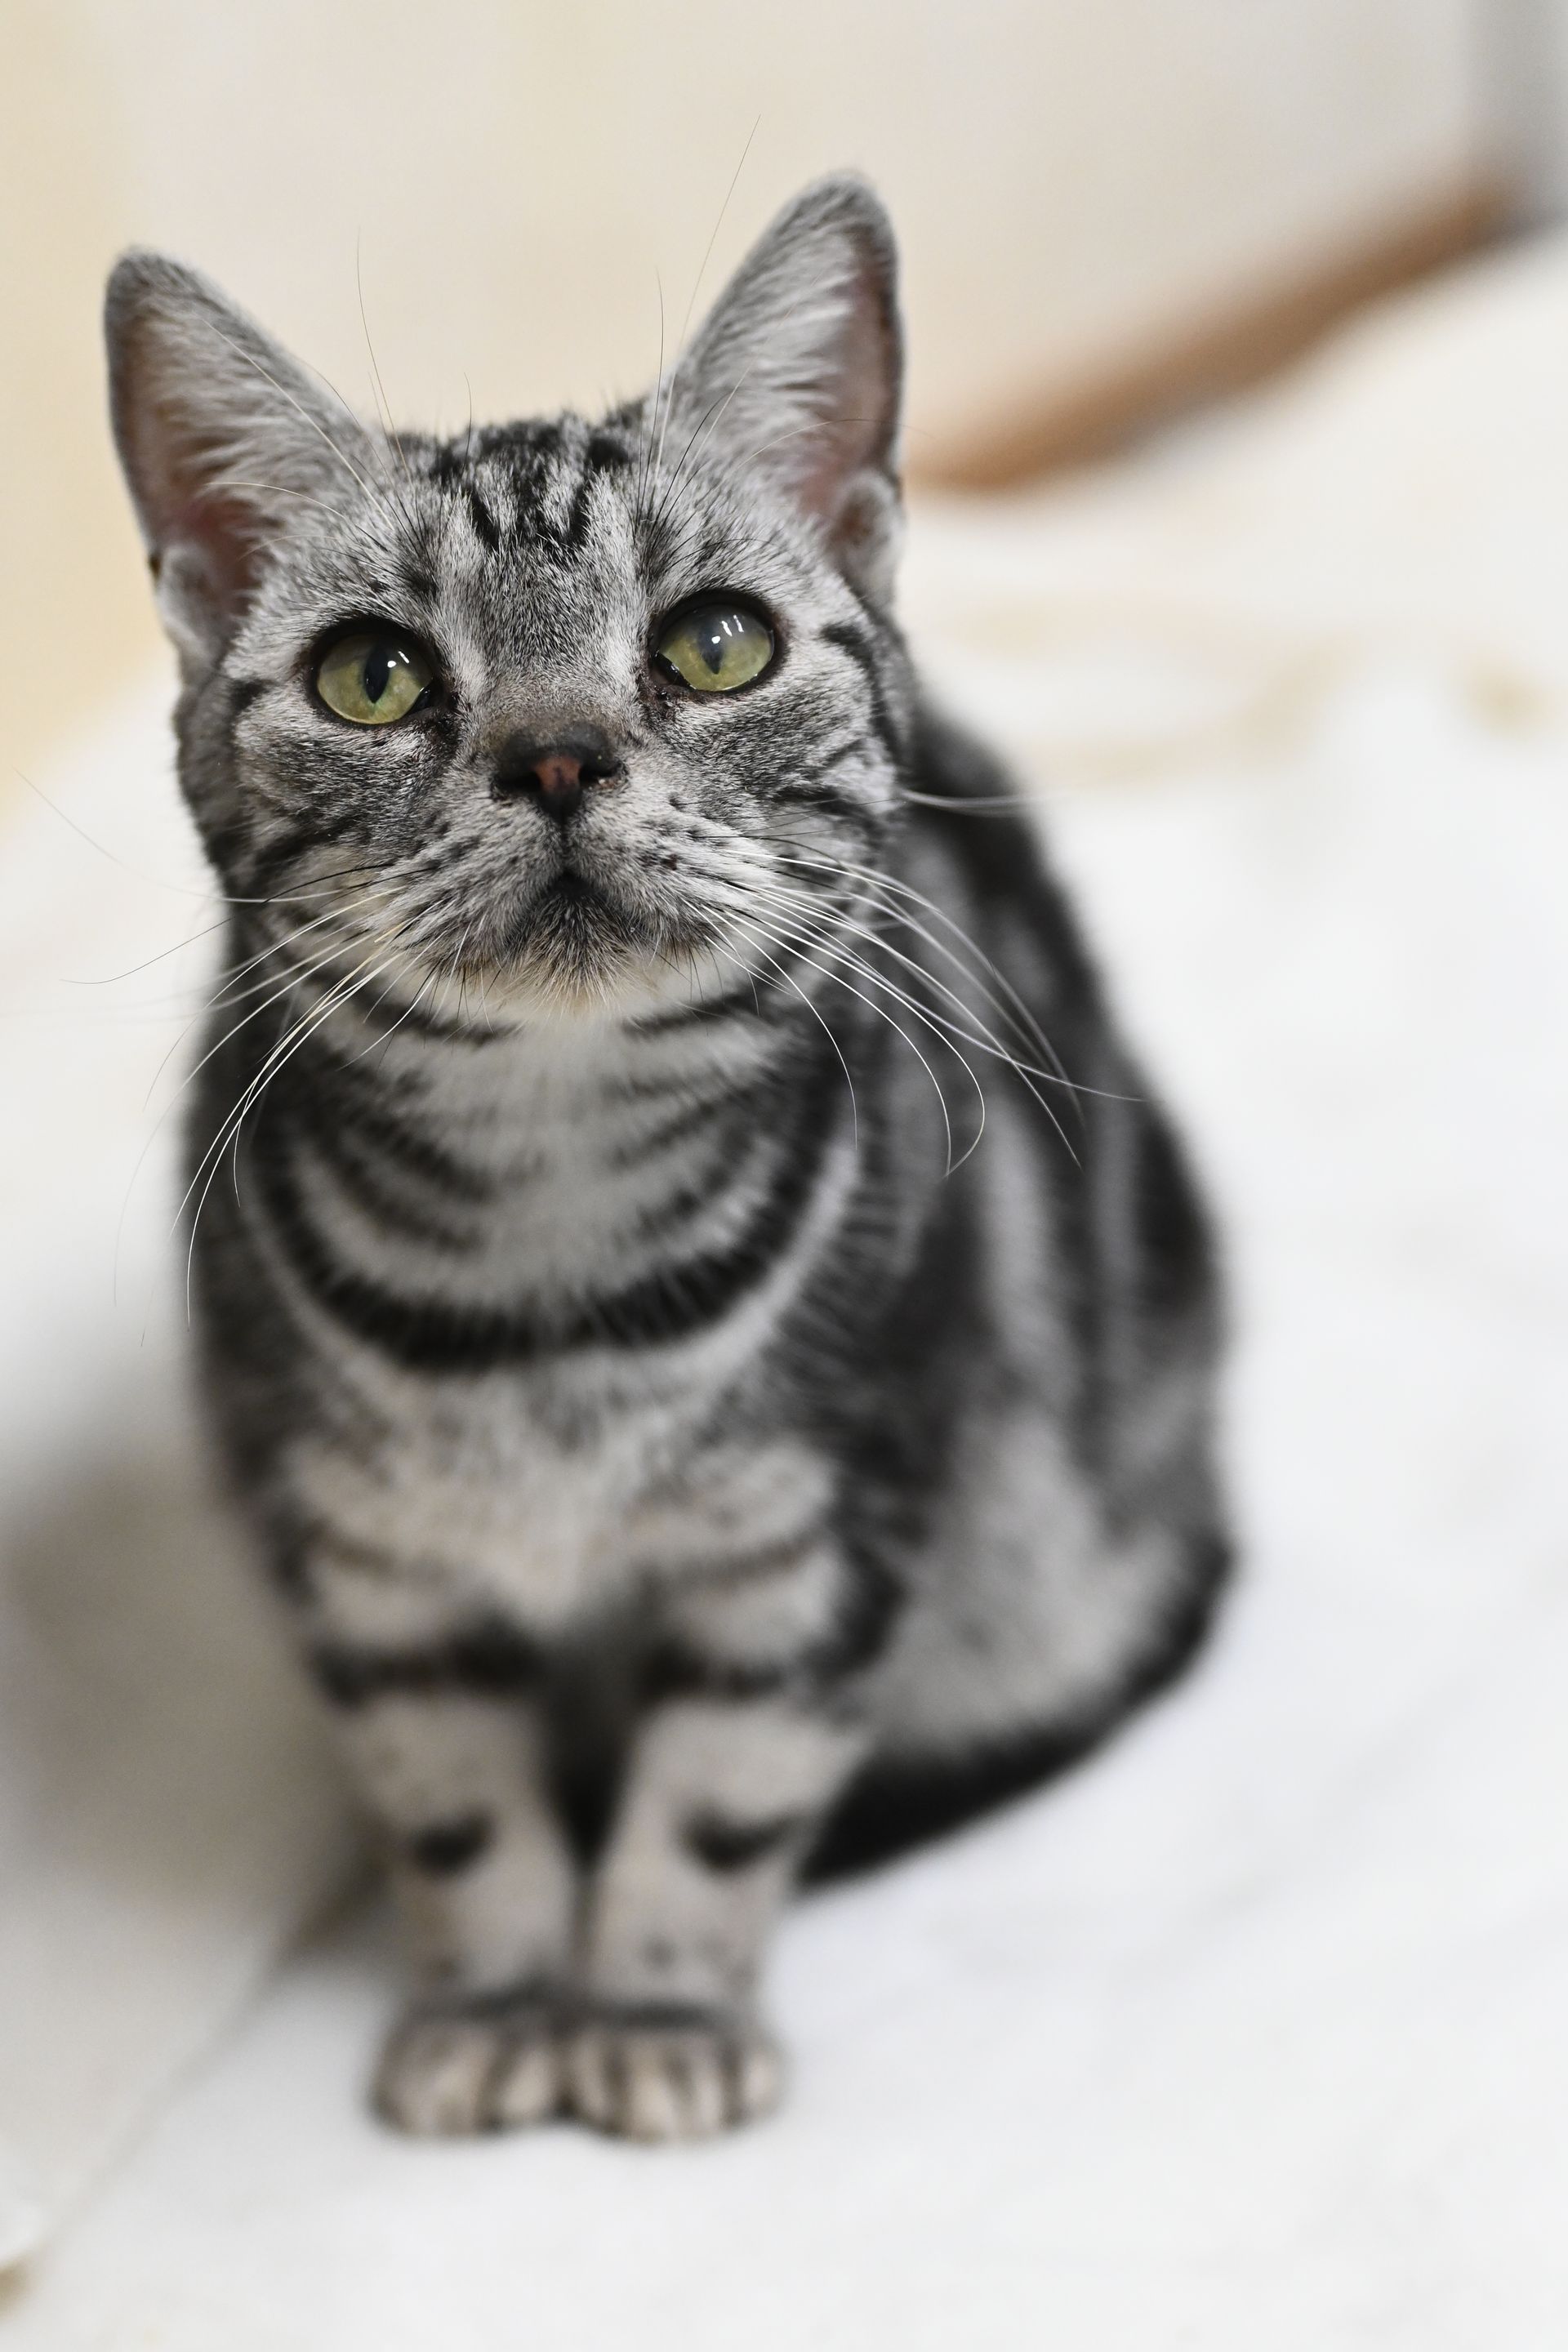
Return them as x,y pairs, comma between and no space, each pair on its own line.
586,714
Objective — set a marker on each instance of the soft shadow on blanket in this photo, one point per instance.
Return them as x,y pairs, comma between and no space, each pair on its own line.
169,1811
150,1655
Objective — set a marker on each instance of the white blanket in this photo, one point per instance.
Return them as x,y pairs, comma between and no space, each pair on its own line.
1250,2034
166,1819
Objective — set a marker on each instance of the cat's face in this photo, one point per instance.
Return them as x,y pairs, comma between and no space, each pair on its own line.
565,716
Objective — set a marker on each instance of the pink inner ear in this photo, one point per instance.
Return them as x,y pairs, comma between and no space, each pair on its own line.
857,429
181,508
223,529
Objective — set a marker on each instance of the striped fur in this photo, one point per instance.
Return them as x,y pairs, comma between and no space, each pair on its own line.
694,1455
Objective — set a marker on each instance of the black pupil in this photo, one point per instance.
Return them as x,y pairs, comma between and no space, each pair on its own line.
714,635
378,667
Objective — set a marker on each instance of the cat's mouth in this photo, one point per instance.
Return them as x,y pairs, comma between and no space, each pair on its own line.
581,939
570,889
570,933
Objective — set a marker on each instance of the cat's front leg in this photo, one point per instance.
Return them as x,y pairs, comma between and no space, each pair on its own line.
443,1741
753,1727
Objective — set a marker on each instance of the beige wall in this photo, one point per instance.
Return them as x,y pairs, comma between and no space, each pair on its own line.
1065,175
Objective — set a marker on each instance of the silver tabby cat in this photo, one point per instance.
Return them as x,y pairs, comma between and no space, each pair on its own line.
708,1333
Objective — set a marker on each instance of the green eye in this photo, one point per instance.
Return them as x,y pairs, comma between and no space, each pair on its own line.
713,648
374,676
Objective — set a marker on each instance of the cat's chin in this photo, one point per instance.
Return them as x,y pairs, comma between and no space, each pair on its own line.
574,954
631,984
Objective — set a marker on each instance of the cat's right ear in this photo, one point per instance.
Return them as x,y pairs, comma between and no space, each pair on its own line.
221,434
797,371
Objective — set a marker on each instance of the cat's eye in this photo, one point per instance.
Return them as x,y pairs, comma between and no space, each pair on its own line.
715,647
374,676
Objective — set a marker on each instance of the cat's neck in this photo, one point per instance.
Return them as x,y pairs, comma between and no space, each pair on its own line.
536,1159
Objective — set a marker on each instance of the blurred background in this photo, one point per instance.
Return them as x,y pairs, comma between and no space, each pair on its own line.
1239,445
1106,212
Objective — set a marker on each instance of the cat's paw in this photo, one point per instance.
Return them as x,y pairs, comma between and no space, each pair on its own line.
659,2072
448,2069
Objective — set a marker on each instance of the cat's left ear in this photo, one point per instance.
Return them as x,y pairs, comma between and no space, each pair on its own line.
798,373
224,439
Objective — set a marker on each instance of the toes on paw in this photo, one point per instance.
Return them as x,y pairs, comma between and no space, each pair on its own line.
449,2074
670,2082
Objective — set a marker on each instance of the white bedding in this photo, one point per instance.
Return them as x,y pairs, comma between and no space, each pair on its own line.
1252,2034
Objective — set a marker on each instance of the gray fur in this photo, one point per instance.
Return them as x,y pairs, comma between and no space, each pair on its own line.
693,1454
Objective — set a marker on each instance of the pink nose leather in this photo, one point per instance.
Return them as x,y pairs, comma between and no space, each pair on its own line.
554,775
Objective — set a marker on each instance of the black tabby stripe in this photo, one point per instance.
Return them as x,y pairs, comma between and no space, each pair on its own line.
895,1803
356,1101
736,1004
318,830
384,1014
809,787
893,1806
726,1846
487,529
608,453
857,643
534,458
869,1602
364,1172
672,1304
444,1848
693,1117
488,1659
576,529
1175,1248
661,1218
827,799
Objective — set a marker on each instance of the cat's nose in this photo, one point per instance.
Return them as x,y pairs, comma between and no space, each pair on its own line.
556,774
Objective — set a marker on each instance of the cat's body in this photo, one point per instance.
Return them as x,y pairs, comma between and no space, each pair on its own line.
692,1452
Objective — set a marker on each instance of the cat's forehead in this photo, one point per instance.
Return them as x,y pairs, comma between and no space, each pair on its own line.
570,496
546,548
539,487
516,536
527,545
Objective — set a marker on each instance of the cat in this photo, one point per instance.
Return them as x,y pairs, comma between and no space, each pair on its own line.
711,1338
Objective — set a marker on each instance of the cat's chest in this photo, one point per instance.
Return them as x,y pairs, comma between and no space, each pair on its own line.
515,1339
531,1175
524,1494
